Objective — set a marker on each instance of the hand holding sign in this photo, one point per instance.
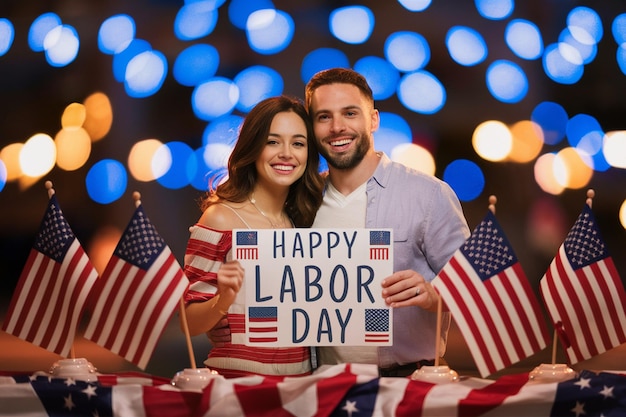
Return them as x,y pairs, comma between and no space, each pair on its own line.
315,286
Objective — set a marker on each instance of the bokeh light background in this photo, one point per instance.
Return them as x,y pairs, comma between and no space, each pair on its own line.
521,99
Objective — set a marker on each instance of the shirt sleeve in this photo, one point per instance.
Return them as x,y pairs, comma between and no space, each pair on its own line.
446,228
207,250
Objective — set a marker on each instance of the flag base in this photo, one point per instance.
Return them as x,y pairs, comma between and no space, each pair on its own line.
435,374
194,378
551,372
76,368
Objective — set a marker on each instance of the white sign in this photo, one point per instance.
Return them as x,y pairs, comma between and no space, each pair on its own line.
315,287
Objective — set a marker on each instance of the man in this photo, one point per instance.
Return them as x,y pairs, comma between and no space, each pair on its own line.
365,188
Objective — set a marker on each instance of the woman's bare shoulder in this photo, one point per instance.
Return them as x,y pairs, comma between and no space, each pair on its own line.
221,216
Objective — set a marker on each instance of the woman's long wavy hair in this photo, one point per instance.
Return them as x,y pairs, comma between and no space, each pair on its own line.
305,195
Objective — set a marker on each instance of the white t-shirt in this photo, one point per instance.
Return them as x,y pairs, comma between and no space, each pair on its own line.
345,211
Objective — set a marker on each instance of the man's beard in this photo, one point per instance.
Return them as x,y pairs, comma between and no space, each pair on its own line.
348,160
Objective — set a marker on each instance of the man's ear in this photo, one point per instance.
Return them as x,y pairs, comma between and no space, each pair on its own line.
375,120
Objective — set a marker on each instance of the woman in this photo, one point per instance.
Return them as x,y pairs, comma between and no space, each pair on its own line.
273,182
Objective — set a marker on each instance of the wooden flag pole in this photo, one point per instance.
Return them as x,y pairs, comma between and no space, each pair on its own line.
554,343
183,320
438,331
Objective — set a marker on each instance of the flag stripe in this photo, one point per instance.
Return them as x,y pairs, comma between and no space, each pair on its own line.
464,306
53,287
158,310
492,302
81,279
583,293
27,294
139,292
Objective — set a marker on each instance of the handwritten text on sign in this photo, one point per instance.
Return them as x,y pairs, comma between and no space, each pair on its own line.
315,287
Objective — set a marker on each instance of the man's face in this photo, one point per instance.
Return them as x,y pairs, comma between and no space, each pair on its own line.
343,121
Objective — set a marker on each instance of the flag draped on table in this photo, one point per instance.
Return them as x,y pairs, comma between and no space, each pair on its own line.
490,299
340,390
584,294
137,293
53,287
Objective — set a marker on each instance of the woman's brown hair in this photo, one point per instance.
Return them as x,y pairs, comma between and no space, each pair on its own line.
305,195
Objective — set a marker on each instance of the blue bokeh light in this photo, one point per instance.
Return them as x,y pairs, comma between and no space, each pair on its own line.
269,31
620,57
394,130
116,33
584,132
322,59
466,179
407,51
257,83
494,9
506,81
7,34
122,58
586,135
240,10
223,130
524,39
618,29
352,24
585,25
214,98
40,28
381,76
183,168
196,64
145,74
466,46
204,175
61,46
552,118
415,5
421,92
563,69
106,181
587,52
195,20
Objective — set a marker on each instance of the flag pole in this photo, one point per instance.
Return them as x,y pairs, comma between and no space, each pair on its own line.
183,320
438,331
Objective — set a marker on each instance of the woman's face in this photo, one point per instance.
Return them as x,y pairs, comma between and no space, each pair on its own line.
284,157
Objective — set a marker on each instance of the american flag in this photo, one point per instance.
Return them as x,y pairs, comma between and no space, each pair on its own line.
583,293
490,298
379,244
53,287
137,293
247,245
340,390
376,325
262,324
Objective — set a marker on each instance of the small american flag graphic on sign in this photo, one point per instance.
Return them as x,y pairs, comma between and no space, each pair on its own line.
379,244
263,324
247,245
376,325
